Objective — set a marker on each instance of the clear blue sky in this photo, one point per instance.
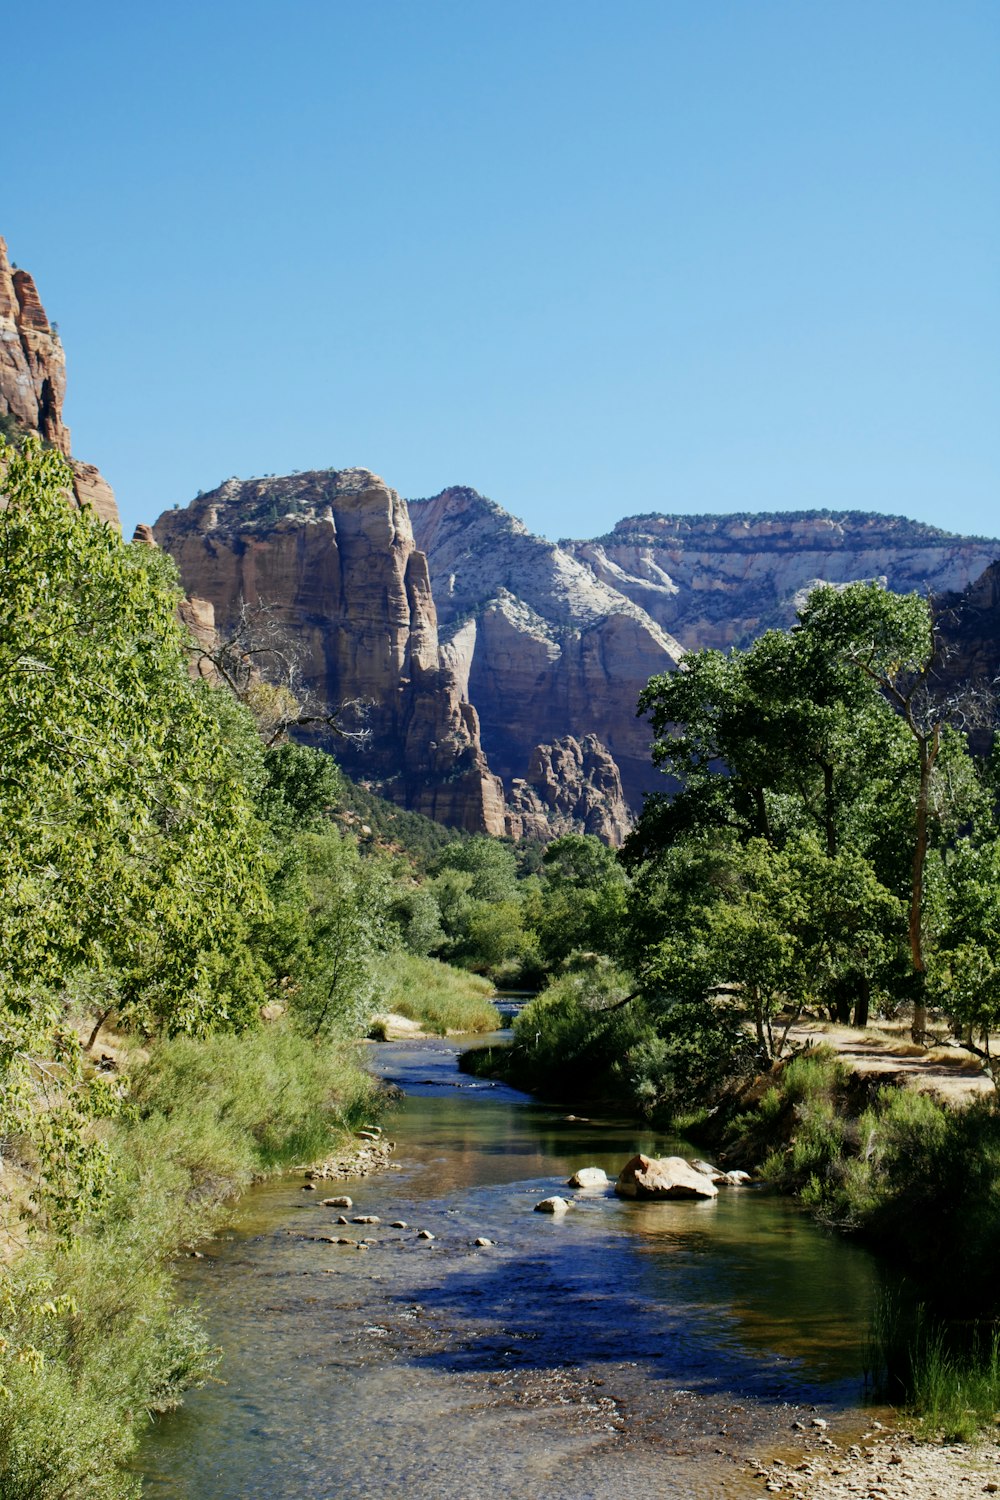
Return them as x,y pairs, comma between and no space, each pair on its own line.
592,258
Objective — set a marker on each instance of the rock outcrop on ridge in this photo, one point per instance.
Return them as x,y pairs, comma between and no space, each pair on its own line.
721,580
332,556
543,647
33,381
571,786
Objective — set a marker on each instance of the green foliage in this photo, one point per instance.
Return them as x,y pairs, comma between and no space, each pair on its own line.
945,1374
301,786
330,923
93,1340
818,781
420,838
129,835
441,998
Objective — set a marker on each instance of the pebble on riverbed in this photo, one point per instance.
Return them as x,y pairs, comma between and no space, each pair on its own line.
342,1202
424,1234
552,1206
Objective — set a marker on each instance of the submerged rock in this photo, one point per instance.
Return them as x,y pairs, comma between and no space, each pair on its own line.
665,1177
552,1206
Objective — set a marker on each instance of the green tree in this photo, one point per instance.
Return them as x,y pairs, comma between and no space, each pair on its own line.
131,848
892,643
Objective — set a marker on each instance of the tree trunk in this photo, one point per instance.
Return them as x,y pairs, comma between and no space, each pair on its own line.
829,820
863,1003
928,754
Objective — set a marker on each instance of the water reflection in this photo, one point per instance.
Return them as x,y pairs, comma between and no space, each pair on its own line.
573,1357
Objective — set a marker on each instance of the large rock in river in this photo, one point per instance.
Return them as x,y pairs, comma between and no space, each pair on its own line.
666,1177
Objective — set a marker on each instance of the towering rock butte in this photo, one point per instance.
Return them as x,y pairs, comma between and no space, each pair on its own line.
33,381
721,580
544,647
332,553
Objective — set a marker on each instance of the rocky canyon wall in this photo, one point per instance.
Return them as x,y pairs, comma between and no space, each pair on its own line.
721,580
33,381
332,557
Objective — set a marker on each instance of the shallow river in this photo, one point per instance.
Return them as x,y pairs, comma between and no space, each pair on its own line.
625,1349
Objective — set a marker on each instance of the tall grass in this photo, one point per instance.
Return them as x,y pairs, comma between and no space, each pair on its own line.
440,997
947,1375
93,1340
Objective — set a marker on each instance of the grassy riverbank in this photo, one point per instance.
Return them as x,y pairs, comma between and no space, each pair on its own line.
93,1339
434,994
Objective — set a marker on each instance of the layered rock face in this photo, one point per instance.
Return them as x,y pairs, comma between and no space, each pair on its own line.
721,580
33,381
542,646
571,786
332,555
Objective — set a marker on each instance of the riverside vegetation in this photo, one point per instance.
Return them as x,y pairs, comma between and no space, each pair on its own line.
200,921
830,845
170,874
169,881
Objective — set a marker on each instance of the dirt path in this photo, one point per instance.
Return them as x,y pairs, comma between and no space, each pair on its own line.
948,1071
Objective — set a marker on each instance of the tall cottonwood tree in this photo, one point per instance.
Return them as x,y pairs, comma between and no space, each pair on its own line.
828,737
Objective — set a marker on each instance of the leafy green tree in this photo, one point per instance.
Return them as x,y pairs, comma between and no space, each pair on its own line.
891,642
131,847
580,903
492,865
839,733
334,925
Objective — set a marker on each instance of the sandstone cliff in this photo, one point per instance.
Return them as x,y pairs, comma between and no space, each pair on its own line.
720,580
542,646
33,381
571,786
333,554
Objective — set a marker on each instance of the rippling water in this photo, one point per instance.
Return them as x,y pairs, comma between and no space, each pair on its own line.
625,1349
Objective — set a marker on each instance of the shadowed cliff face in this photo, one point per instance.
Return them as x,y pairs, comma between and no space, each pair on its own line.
545,647
33,381
333,554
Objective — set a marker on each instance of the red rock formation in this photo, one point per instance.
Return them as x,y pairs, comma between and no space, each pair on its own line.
32,362
33,382
572,786
332,555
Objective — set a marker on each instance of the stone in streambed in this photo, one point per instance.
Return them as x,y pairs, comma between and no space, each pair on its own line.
666,1177
424,1234
552,1206
341,1202
588,1177
366,1219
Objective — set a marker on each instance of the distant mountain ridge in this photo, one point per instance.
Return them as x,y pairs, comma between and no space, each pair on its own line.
721,580
505,668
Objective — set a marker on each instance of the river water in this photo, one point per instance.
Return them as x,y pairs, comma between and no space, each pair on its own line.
624,1349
